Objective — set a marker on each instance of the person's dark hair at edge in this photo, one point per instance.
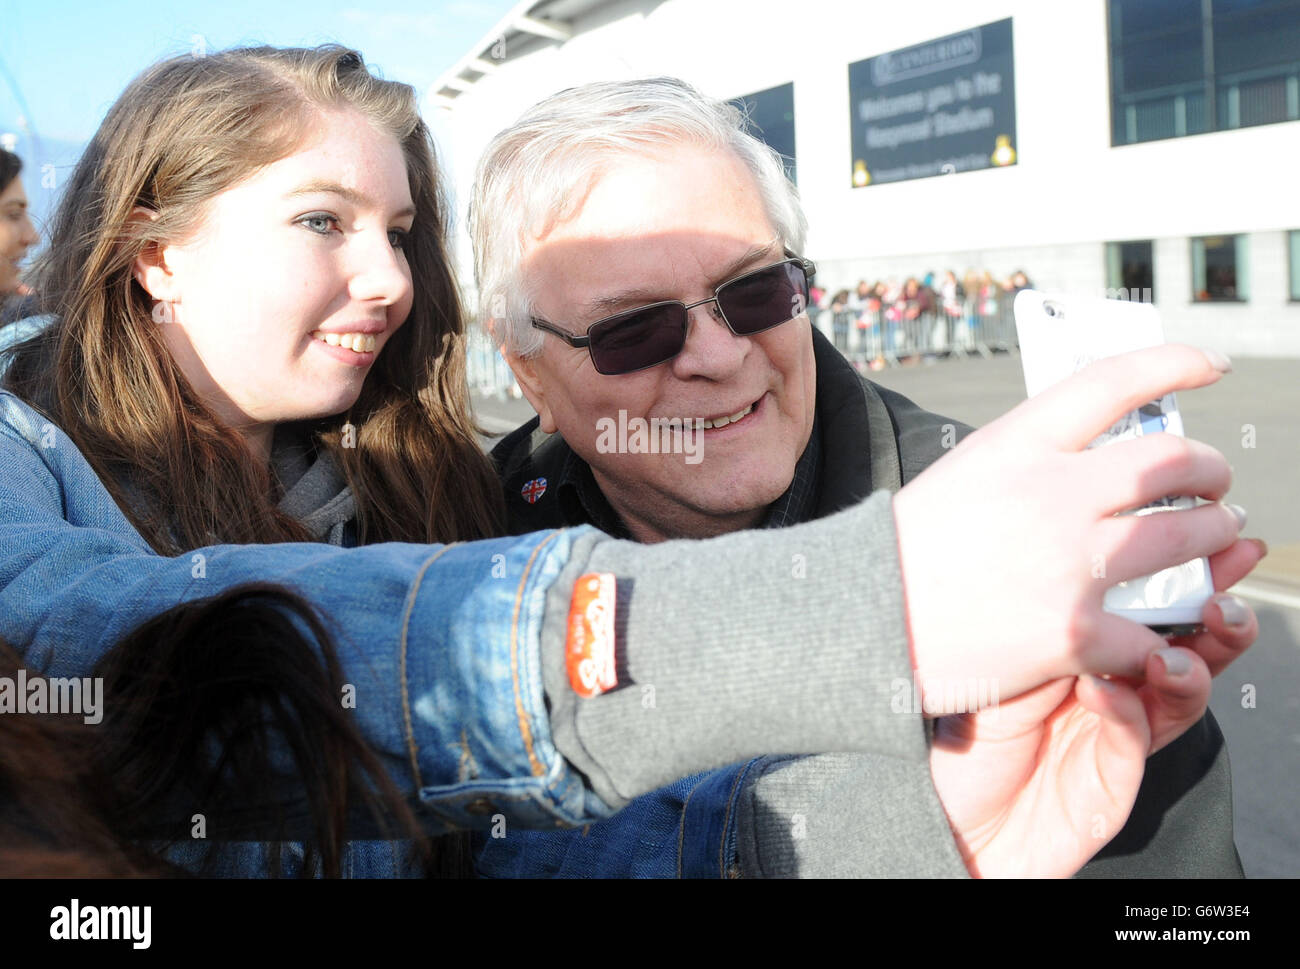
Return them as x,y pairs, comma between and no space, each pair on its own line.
197,704
10,166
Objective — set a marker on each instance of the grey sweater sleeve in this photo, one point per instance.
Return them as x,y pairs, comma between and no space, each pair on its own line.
843,816
790,639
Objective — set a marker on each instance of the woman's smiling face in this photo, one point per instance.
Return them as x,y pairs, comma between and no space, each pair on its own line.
276,307
17,235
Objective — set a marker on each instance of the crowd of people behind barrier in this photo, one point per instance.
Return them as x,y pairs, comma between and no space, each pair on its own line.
890,321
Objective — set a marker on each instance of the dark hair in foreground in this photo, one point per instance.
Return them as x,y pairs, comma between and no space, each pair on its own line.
199,707
10,166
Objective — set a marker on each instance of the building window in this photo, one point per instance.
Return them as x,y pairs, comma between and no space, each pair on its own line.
1293,247
771,120
1219,268
1130,271
1182,67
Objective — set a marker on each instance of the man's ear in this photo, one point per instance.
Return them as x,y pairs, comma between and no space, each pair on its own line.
151,269
531,385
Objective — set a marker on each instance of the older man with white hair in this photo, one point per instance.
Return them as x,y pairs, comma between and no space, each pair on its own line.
641,262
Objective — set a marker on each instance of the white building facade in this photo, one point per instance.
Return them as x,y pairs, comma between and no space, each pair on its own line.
1120,179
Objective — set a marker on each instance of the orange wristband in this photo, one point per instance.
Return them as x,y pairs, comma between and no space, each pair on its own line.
589,646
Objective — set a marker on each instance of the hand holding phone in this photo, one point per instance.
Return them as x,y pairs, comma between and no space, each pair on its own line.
1059,336
999,539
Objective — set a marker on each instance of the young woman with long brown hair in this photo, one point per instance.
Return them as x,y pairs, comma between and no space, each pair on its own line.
120,370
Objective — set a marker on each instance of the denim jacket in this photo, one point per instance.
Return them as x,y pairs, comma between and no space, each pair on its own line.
688,829
442,642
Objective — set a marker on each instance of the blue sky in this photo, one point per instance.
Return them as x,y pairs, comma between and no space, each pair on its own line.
62,64
71,59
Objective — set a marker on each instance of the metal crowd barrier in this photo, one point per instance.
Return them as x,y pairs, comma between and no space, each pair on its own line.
488,372
866,336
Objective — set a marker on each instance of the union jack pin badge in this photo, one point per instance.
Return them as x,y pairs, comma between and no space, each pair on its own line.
532,490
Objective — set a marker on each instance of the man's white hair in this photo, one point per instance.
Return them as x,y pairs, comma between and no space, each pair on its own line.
535,174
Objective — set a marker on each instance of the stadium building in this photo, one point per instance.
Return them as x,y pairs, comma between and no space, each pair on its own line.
1106,147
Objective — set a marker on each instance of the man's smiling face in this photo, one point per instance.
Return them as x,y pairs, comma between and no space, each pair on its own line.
672,226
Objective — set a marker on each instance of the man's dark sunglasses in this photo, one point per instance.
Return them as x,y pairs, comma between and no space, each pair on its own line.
648,335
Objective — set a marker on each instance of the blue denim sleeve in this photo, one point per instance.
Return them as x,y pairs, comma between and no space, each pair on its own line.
441,643
684,830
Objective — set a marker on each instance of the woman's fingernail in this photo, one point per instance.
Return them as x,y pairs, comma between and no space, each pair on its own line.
1263,545
1235,612
1217,360
1240,514
1104,684
1176,661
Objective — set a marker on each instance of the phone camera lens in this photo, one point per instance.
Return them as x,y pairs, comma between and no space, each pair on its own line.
1054,310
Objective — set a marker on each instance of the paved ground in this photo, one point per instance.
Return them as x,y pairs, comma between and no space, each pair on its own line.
1264,743
1253,416
1263,394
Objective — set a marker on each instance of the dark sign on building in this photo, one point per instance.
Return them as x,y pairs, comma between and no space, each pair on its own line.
945,106
770,118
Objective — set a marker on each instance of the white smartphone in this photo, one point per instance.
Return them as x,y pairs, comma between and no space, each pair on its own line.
1060,335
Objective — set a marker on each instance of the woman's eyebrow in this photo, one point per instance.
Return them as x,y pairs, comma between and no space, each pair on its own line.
348,195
